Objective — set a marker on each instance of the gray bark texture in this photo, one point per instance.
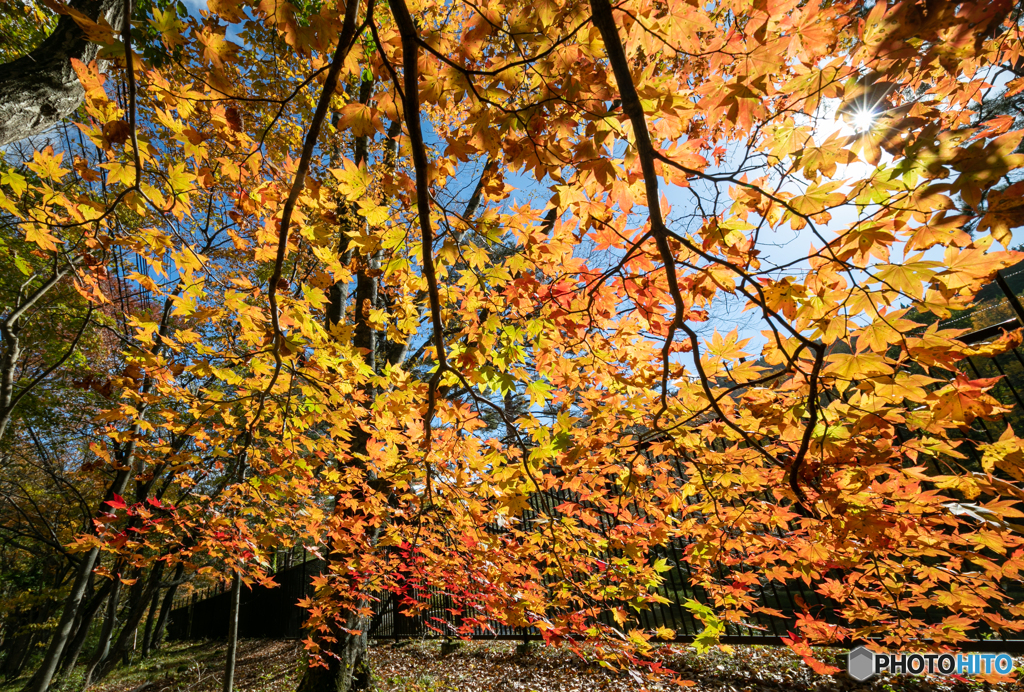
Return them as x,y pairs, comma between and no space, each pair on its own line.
41,88
73,650
40,682
166,606
229,663
348,662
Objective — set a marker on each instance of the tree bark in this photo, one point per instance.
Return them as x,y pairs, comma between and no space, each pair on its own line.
74,649
346,655
41,88
103,646
168,604
41,680
136,609
147,636
349,667
229,664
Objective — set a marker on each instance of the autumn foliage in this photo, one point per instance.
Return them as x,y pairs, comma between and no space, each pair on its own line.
396,270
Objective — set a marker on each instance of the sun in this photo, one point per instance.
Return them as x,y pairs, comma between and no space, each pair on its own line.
862,120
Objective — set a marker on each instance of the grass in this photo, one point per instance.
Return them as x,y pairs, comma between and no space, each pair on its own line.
194,667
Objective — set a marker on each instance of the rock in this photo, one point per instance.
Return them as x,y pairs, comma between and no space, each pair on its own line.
450,647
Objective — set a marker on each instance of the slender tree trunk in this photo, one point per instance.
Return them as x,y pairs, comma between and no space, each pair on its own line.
167,606
74,649
17,647
154,606
41,680
103,646
229,664
125,461
136,609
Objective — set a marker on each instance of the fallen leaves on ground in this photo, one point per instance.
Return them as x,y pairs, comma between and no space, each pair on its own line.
495,666
419,666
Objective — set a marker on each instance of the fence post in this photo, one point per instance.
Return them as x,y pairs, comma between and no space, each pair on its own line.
191,612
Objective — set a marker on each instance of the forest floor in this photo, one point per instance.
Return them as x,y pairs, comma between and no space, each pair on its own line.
276,666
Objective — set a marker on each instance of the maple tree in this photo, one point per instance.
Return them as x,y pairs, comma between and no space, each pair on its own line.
380,275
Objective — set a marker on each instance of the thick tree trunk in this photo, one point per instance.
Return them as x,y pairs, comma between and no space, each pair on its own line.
348,669
77,628
348,665
229,663
41,88
346,655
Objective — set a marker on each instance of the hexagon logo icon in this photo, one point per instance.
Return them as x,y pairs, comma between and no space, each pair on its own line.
861,663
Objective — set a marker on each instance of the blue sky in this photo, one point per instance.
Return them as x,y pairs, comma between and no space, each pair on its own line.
778,248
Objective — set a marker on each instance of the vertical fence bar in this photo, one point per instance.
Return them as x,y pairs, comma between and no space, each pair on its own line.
1011,297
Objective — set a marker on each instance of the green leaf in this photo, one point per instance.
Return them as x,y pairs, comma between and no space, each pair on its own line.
23,266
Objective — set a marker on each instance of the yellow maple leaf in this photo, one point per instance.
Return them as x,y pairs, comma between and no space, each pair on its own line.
1006,453
41,236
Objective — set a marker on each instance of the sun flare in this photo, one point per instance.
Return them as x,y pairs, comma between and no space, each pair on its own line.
862,120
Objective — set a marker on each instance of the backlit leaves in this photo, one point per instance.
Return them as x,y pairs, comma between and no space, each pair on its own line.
675,296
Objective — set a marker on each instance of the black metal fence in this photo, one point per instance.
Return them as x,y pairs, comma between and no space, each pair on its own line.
274,613
263,612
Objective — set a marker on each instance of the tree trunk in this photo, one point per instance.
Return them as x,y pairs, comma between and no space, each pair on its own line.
346,655
74,649
348,662
17,654
136,609
41,680
41,88
77,628
347,669
103,646
229,664
168,604
154,605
